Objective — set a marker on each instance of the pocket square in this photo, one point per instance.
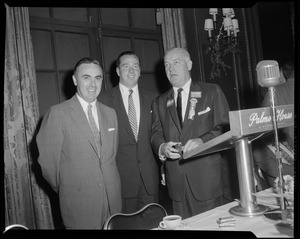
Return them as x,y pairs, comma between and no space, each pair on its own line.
111,129
204,111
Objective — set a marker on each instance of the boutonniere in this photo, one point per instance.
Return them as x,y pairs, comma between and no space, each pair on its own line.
193,102
170,103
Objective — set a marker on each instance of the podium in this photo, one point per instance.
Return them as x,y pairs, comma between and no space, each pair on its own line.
246,126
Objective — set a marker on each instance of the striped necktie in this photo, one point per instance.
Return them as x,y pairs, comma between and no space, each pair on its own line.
94,128
132,115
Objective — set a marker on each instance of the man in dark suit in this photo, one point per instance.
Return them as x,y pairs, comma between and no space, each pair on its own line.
135,159
195,184
77,143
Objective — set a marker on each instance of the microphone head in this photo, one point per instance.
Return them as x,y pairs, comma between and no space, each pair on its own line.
268,73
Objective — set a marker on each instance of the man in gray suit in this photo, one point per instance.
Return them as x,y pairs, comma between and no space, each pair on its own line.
78,142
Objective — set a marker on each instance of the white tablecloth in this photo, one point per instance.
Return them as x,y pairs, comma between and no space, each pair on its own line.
259,225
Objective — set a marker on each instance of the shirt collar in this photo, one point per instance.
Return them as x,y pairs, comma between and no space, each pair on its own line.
84,103
185,88
125,90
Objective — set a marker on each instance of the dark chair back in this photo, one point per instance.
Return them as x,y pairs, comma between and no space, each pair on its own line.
144,219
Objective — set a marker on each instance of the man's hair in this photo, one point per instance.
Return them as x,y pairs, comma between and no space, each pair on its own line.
85,60
180,50
288,70
130,53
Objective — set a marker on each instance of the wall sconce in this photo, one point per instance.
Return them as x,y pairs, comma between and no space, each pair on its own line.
222,38
158,16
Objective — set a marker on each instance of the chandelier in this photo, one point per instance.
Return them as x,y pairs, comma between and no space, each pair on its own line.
222,38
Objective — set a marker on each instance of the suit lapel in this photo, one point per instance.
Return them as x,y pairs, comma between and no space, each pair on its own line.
103,128
143,112
81,121
170,104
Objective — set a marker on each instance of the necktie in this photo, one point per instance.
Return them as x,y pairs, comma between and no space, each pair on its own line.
132,115
94,128
179,106
287,153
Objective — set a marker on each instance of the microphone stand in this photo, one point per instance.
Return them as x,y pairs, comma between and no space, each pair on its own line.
278,154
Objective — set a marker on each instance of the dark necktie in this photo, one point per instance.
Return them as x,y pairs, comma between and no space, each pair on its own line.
132,115
179,106
94,128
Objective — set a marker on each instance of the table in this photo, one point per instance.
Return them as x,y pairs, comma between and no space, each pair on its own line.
259,225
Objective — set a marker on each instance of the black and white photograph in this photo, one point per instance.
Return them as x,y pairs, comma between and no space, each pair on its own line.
120,121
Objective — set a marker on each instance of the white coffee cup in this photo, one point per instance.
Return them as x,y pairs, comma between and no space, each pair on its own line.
170,222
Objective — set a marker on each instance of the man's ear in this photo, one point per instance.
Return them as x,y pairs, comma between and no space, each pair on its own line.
118,71
74,80
190,64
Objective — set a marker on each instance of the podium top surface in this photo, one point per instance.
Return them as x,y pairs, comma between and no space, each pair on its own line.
246,123
220,143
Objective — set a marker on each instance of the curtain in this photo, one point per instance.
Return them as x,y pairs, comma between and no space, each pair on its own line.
25,201
173,28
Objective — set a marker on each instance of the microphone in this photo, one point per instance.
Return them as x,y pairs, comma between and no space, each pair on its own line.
268,74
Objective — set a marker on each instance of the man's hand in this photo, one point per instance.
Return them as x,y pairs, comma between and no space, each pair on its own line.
191,144
168,150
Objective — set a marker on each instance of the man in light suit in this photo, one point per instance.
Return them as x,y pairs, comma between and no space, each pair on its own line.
195,184
77,152
137,165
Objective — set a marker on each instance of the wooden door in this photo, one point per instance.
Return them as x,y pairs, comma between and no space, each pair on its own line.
61,36
133,29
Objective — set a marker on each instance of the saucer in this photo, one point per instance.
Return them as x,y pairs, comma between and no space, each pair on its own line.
177,228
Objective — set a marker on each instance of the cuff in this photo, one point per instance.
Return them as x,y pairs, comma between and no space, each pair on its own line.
161,157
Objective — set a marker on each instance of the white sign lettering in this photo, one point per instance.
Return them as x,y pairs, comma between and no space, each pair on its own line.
282,116
256,119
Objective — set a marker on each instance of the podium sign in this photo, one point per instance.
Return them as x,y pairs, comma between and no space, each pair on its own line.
244,125
246,122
